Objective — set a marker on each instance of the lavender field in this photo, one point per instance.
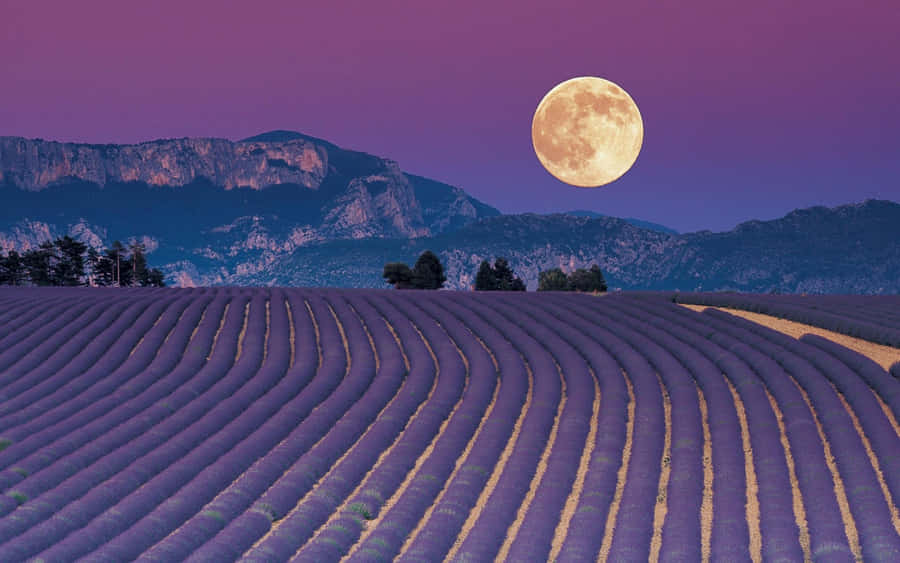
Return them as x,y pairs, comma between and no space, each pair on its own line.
374,425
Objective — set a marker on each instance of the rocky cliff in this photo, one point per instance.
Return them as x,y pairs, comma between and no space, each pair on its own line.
182,189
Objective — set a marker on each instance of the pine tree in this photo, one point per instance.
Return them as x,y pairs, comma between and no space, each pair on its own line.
506,280
139,273
428,273
13,269
69,267
485,279
155,278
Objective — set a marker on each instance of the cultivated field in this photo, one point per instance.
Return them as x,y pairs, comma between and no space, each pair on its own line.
367,425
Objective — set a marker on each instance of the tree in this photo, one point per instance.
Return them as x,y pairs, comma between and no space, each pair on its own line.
398,274
587,280
553,280
139,273
428,273
12,270
119,265
38,263
69,266
155,278
505,278
485,279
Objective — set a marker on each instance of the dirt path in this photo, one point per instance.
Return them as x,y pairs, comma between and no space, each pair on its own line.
885,356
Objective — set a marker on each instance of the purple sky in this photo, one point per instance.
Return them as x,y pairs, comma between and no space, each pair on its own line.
750,109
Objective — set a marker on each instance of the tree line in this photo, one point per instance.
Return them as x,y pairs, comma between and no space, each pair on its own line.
68,262
428,273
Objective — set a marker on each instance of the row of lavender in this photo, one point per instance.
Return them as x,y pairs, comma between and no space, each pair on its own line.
305,460
875,318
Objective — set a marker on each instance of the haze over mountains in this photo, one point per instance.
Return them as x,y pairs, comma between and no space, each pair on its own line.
284,208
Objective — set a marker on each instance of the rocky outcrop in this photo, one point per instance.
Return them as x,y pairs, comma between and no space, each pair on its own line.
35,164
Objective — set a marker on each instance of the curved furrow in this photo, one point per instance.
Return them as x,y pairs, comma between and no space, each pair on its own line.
378,490
885,386
828,521
75,443
511,481
51,346
149,480
770,510
305,449
53,516
871,516
679,463
246,437
600,495
236,496
729,534
531,535
762,457
418,473
865,387
68,372
336,539
72,413
18,321
106,362
344,450
346,521
434,534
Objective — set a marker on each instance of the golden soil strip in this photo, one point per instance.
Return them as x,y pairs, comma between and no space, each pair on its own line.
280,521
315,323
884,356
373,524
268,326
339,511
293,335
460,461
799,509
492,481
620,478
240,343
562,528
218,332
706,507
513,530
887,412
156,322
169,335
390,327
369,336
839,491
752,506
662,507
873,459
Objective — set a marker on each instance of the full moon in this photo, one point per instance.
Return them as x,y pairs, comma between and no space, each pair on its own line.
587,131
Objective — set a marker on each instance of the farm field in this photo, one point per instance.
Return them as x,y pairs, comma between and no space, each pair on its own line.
319,425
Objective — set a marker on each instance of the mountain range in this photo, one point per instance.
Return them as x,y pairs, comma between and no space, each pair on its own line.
283,208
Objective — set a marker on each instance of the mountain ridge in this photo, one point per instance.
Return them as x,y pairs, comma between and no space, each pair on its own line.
284,208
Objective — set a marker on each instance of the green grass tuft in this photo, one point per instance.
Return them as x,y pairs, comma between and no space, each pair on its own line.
17,496
20,470
5,443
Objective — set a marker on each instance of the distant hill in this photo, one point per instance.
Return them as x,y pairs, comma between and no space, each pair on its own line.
283,208
633,221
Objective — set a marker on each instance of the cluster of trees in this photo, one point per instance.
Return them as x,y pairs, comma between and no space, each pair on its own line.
580,280
68,262
498,277
427,273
